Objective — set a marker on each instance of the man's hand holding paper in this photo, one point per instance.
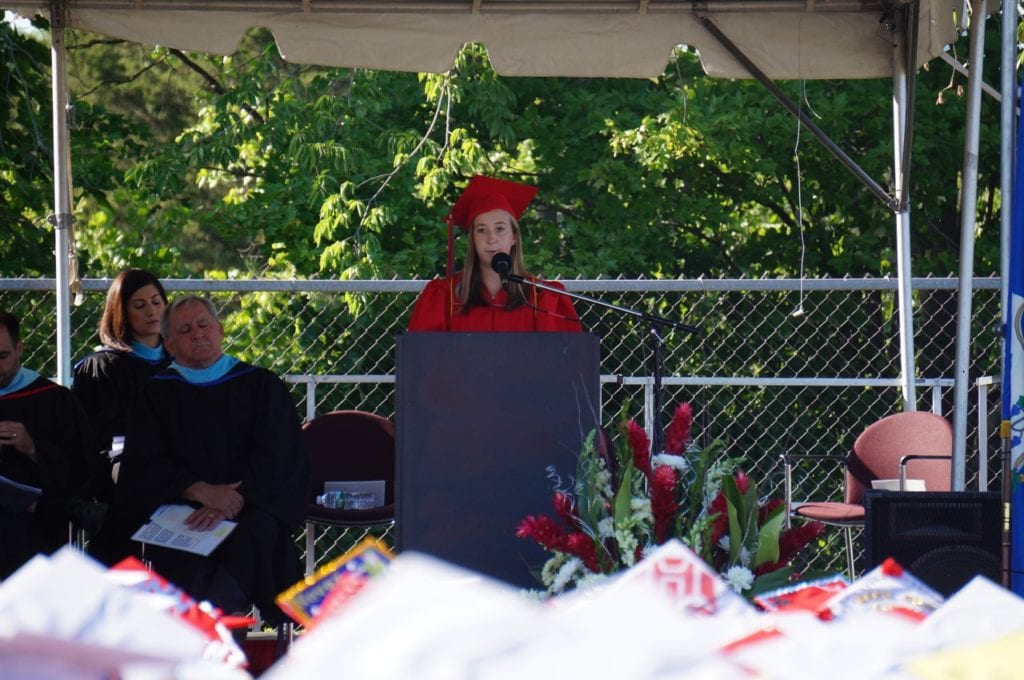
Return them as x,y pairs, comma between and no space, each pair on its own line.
217,502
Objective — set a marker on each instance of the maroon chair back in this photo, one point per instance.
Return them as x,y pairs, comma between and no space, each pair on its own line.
351,446
879,448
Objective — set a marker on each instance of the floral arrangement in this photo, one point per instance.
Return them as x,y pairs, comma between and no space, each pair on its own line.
623,504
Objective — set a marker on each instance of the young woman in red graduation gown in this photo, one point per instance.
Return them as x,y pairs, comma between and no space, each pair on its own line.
476,299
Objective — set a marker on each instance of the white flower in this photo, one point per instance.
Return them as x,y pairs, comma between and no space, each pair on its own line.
723,542
713,481
533,595
745,556
565,574
739,578
672,460
640,506
606,527
591,580
551,567
627,547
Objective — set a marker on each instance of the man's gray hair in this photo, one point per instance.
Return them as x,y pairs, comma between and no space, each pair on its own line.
165,319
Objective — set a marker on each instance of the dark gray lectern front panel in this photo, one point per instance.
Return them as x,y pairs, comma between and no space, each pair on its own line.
480,417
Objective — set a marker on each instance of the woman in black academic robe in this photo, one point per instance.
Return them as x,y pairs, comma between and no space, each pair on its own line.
108,381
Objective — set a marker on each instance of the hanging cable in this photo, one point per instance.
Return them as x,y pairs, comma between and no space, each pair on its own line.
799,311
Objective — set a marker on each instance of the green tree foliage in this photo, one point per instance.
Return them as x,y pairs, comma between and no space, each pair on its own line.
25,159
103,144
200,165
192,163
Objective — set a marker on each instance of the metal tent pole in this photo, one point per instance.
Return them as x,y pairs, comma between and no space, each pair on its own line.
1008,129
1007,144
904,66
62,217
968,201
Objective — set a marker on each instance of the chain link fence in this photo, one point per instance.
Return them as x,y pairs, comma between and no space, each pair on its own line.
780,365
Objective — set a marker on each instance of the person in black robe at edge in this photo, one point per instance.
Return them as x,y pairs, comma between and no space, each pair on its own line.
44,439
223,436
108,381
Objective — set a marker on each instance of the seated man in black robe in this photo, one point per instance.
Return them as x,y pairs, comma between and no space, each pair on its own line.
224,437
44,439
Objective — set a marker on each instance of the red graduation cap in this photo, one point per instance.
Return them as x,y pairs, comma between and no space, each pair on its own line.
481,195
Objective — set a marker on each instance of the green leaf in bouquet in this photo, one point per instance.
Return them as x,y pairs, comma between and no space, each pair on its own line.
750,509
768,537
770,581
624,496
734,505
589,495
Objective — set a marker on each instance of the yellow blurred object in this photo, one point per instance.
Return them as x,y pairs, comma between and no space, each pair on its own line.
998,659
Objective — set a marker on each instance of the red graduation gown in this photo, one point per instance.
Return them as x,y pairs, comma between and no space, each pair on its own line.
438,309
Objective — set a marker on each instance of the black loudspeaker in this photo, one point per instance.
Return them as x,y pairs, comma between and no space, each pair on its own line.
943,538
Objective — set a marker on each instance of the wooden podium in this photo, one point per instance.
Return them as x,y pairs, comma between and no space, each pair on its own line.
481,418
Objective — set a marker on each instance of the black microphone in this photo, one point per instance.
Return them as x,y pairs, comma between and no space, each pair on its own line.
502,264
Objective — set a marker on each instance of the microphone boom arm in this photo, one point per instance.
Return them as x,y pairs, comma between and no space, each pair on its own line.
652,319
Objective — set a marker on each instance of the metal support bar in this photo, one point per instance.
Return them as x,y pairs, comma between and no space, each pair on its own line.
968,208
784,99
1007,143
910,77
901,124
981,389
62,218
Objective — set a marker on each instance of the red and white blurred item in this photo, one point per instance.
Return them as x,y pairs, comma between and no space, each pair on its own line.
685,580
203,616
886,589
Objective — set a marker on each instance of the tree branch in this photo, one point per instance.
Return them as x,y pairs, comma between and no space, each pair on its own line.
123,81
213,82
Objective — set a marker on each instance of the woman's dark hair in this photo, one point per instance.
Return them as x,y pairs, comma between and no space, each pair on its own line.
115,331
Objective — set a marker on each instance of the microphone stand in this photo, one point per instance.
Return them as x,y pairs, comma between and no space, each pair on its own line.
655,325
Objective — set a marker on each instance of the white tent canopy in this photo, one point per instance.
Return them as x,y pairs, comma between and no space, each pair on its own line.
778,39
786,38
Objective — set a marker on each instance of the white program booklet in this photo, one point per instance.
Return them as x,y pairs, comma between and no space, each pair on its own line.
167,528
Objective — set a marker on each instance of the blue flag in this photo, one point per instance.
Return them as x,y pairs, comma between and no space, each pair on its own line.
1013,369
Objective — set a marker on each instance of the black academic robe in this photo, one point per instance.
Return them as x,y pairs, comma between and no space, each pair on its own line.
241,427
108,383
63,469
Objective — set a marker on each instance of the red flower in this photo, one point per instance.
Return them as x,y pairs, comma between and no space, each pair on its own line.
791,542
641,446
582,546
565,507
719,509
742,481
678,434
798,537
606,452
543,529
663,501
